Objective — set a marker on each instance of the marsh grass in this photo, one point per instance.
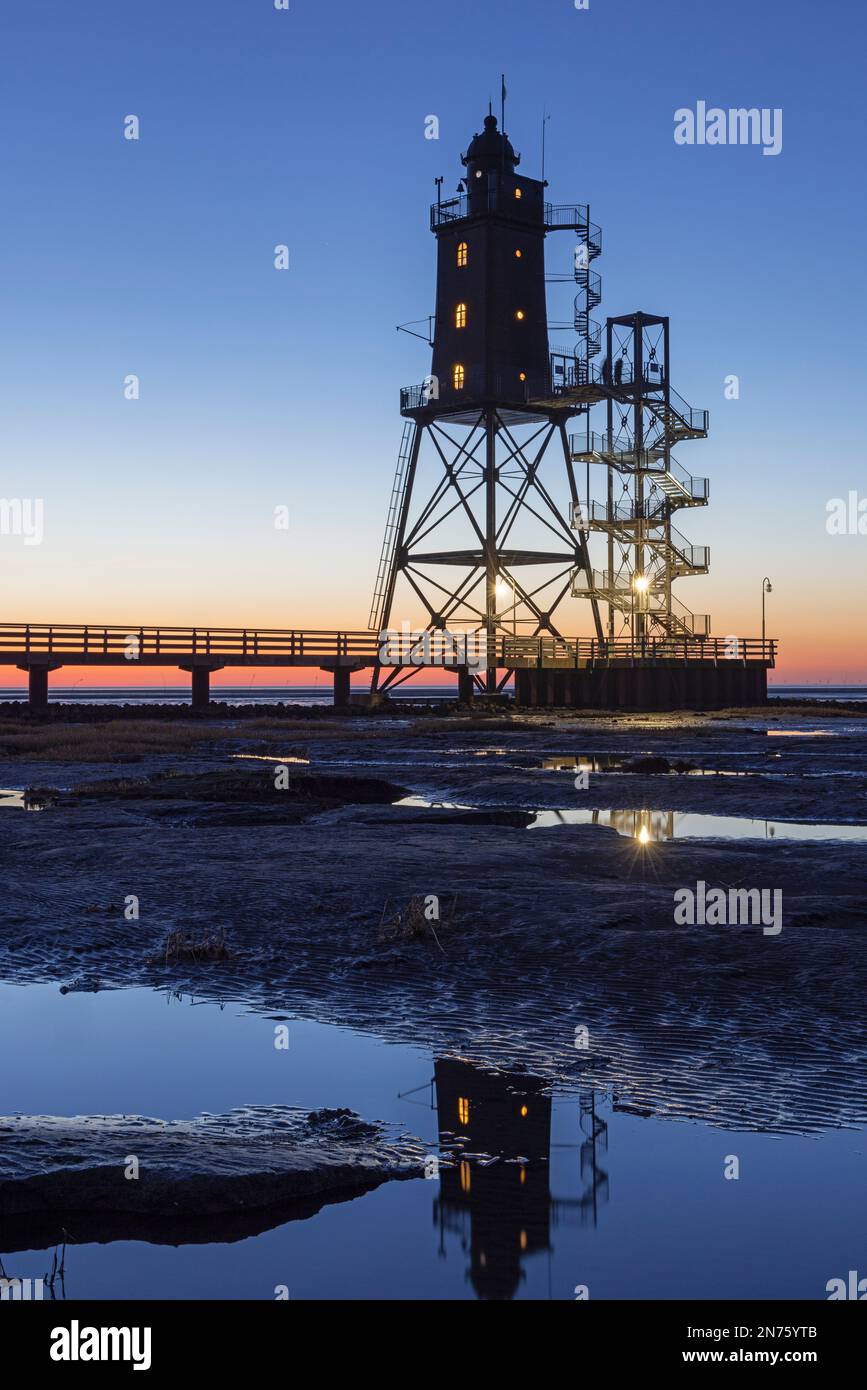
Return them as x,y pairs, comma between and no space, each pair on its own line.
412,923
98,743
196,947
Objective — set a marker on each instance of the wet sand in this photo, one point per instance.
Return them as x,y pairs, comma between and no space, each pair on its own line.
553,929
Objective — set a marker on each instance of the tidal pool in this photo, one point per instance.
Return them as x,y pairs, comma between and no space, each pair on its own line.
656,826
581,1191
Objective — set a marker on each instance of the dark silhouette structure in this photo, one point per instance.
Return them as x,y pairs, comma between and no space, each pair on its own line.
488,530
501,1206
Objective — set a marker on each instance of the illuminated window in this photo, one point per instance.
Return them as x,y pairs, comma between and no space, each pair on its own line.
522,376
463,254
463,1110
458,377
524,1112
523,1240
466,1178
461,316
520,315
518,193
518,255
523,1176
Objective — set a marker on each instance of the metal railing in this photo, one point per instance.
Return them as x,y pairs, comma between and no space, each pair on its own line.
563,217
583,650
453,210
696,488
696,421
622,513
70,644
693,556
617,450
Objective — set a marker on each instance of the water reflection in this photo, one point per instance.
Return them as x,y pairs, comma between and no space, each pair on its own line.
496,1199
23,800
653,827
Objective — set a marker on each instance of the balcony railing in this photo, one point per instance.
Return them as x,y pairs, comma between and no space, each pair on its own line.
652,511
453,210
564,217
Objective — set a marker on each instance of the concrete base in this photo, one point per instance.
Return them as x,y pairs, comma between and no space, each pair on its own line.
37,684
653,686
342,674
201,684
466,686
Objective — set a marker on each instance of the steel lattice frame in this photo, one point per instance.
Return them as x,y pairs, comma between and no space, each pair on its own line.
492,481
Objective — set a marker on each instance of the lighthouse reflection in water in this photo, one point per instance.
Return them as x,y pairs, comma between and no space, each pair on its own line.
495,1200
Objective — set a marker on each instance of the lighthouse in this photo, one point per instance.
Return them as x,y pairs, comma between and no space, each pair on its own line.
479,531
491,324
537,500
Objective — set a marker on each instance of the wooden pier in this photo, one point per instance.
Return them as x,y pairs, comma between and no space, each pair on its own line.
653,673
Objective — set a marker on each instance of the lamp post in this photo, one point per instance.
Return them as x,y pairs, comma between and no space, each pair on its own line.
640,585
767,588
505,586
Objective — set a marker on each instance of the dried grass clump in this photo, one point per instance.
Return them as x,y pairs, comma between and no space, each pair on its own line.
185,945
412,923
101,742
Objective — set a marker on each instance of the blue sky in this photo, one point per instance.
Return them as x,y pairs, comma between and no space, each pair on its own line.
261,388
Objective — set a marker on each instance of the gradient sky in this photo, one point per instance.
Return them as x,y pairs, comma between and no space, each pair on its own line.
261,388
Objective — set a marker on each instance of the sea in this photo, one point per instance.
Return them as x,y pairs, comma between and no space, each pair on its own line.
322,694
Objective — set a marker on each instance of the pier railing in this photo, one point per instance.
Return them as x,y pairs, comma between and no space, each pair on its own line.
588,651
68,644
68,641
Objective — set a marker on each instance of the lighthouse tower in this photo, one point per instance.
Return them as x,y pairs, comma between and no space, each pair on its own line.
479,535
493,509
491,339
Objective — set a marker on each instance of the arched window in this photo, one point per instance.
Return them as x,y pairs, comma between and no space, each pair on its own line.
518,194
463,254
461,316
458,377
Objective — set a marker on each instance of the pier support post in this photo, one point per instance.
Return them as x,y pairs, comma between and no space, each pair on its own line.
201,683
342,674
341,687
37,684
466,686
